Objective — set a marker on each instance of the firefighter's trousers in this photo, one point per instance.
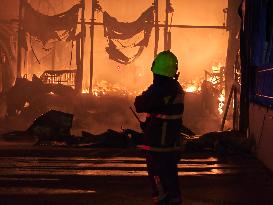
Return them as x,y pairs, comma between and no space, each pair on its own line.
163,174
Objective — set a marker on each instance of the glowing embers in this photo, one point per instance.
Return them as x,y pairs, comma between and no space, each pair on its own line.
103,87
221,102
217,78
213,82
26,105
211,88
85,90
192,87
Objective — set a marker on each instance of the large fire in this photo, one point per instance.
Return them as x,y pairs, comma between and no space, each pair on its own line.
103,87
221,103
191,89
215,77
192,86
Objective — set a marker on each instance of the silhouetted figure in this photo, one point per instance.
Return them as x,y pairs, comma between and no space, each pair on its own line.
163,102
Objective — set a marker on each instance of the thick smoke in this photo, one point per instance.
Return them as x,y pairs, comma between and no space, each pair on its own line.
196,49
98,114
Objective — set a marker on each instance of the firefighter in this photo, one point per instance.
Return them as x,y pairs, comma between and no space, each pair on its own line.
163,102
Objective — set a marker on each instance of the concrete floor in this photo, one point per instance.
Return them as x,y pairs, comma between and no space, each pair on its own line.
49,175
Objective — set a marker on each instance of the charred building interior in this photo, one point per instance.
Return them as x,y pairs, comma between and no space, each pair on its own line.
77,102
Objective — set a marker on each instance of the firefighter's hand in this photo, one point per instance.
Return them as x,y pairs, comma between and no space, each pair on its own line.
142,125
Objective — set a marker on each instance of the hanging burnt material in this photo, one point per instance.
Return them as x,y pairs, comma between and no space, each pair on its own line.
117,31
45,28
7,56
6,31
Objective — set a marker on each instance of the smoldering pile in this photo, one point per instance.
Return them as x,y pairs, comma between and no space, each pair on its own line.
54,129
27,100
104,120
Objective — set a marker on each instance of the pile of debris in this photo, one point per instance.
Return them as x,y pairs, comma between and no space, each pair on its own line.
53,129
224,142
32,97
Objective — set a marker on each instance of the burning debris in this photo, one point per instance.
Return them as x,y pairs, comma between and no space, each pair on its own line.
32,97
103,87
52,126
211,88
29,99
61,87
64,77
54,129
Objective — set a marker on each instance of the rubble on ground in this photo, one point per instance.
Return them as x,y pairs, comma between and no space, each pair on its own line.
30,98
53,128
225,142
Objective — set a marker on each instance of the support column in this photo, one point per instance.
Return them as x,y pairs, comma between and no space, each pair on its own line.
166,27
19,43
246,76
92,44
156,28
83,31
233,27
80,52
53,57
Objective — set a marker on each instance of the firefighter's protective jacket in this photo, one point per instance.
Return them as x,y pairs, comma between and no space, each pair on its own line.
163,102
